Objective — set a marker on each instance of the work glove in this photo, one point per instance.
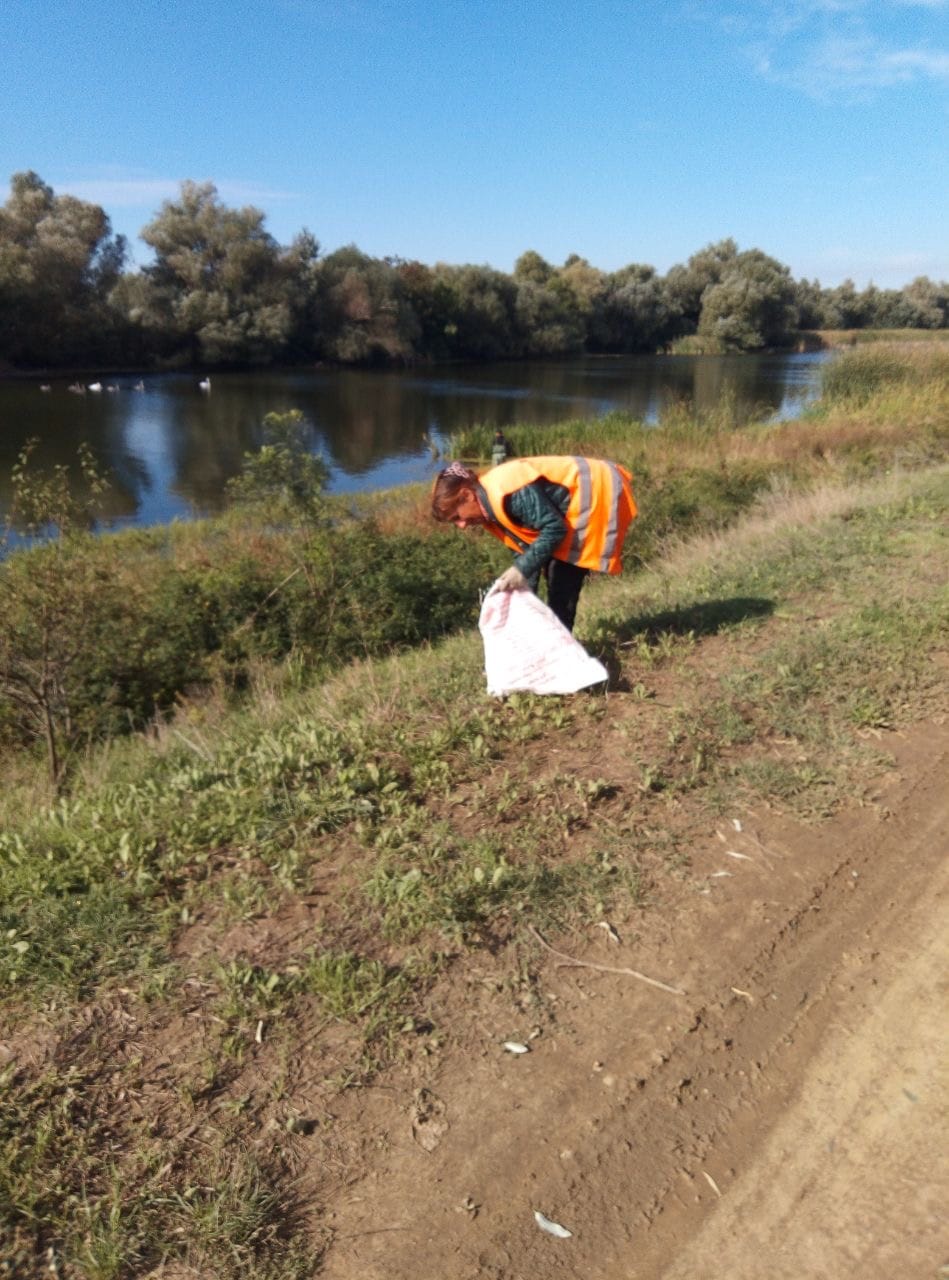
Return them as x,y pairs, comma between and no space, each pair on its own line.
511,580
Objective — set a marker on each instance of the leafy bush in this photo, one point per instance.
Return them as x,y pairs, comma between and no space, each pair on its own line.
396,590
133,623
283,477
96,635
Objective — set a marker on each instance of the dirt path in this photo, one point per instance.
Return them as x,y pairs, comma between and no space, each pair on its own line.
780,1120
850,1181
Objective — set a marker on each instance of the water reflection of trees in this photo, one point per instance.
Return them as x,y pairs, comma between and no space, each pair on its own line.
61,422
206,436
365,417
174,445
746,386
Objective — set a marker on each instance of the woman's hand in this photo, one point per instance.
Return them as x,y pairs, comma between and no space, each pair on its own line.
511,580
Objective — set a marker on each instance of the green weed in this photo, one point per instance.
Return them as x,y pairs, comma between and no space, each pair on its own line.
87,1196
350,986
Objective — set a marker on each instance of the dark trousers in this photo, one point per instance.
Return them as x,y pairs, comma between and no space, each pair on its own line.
564,582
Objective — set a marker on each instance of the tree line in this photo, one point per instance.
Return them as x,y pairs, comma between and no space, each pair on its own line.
221,291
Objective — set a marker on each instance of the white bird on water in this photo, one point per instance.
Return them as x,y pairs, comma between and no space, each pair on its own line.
95,386
139,386
205,384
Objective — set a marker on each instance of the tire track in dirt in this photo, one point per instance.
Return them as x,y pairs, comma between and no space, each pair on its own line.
851,1180
733,1096
848,1071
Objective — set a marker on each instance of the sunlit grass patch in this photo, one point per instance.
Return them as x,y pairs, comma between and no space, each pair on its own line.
88,1191
466,890
110,870
869,668
352,988
823,636
805,787
856,376
793,539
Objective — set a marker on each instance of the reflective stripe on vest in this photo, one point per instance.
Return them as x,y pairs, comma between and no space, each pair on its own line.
600,510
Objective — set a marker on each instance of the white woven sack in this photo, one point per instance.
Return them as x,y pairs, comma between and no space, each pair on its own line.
527,649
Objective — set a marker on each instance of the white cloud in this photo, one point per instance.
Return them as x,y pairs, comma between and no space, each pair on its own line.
830,48
836,64
118,193
130,192
906,61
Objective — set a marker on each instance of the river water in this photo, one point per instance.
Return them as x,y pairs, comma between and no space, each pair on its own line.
171,447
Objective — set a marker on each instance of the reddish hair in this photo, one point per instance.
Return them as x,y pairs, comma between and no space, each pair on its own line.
451,484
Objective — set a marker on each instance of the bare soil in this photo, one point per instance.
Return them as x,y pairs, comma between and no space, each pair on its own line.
784,1118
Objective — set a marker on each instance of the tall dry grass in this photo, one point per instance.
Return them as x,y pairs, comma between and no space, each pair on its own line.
885,403
870,337
782,509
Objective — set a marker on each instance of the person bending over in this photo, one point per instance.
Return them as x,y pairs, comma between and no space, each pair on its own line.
562,516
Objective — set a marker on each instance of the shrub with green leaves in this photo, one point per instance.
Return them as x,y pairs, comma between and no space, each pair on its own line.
283,478
132,623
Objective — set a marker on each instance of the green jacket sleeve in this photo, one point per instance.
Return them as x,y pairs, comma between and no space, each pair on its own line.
539,506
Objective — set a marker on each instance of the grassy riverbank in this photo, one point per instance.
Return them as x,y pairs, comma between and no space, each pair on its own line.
226,927
863,337
818,340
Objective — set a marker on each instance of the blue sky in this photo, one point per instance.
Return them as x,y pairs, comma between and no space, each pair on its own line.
471,130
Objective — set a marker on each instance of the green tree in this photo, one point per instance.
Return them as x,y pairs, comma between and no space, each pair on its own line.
547,320
886,308
685,286
45,594
483,304
752,305
929,303
283,478
301,267
59,263
581,286
365,314
218,290
844,308
634,312
808,298
532,268
432,302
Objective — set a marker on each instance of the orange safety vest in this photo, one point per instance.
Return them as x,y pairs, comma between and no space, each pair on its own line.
600,511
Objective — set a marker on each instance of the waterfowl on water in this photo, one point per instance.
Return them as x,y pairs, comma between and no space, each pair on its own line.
139,386
45,387
95,386
205,384
111,387
77,388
